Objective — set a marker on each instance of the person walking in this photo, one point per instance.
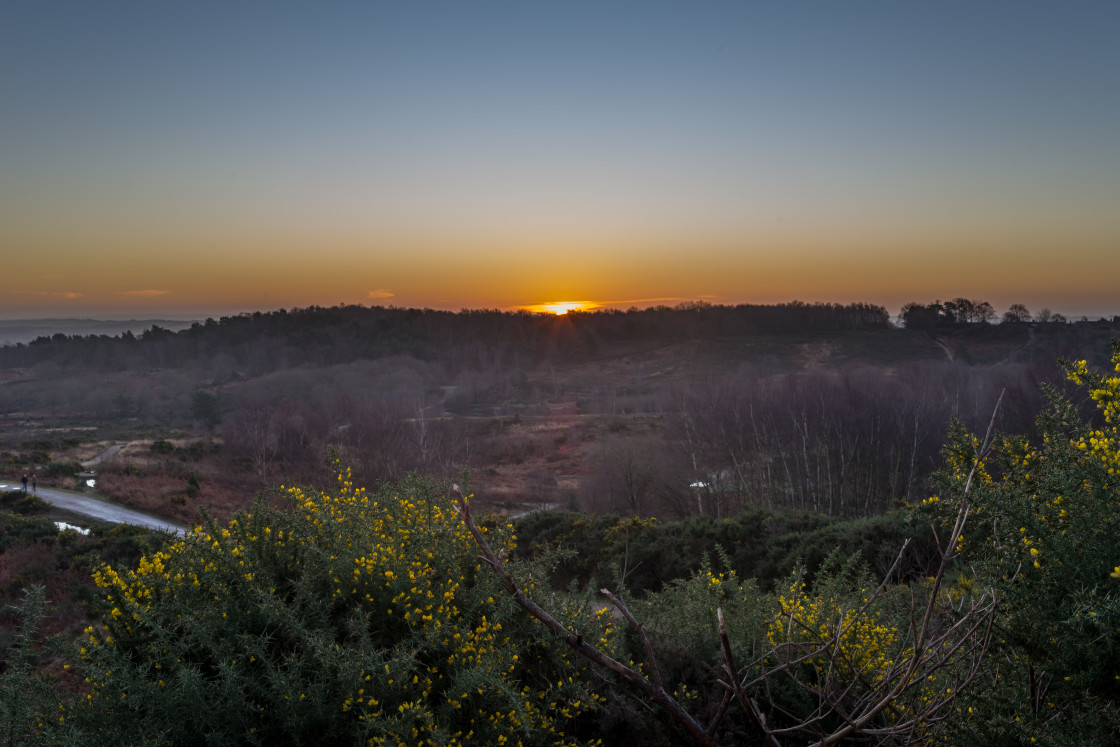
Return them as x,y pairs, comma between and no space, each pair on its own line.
34,484
25,482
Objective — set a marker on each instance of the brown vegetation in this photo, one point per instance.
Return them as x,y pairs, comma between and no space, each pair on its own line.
698,409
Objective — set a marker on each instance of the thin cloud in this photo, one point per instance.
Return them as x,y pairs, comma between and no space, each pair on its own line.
49,294
651,301
143,293
381,293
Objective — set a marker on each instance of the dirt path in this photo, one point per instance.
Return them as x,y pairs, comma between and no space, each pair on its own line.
104,456
946,348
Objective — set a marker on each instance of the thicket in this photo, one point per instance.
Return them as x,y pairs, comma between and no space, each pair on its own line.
644,554
35,553
350,617
1045,532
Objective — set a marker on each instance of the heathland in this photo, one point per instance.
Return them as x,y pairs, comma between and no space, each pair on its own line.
771,461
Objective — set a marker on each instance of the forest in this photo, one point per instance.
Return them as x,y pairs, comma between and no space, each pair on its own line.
878,512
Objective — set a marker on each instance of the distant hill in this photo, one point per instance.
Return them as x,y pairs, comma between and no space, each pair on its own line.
821,407
15,331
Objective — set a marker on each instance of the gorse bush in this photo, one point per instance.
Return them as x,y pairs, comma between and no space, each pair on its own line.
26,699
866,643
20,502
347,618
352,617
844,653
1045,532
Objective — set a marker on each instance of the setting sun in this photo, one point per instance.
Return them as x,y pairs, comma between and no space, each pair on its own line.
560,307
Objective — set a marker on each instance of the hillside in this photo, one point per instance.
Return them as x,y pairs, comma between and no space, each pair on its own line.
698,408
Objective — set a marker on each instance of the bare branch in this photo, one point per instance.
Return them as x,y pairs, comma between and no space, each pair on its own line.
638,628
744,699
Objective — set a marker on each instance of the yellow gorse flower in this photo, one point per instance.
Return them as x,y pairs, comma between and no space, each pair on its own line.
407,566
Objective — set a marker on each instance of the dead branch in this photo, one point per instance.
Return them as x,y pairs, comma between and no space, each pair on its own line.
748,703
967,639
639,629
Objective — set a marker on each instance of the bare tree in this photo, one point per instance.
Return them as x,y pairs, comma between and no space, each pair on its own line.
1017,313
422,434
252,433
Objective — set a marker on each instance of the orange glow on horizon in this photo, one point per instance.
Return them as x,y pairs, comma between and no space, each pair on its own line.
560,308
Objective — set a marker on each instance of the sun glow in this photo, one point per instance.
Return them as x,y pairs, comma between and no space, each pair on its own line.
560,307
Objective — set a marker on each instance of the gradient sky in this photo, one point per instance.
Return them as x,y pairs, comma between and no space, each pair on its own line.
205,158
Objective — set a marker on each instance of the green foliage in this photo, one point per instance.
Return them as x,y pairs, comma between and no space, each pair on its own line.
762,544
162,446
120,544
26,699
805,653
18,530
193,485
1045,531
347,617
61,469
206,408
132,470
26,504
681,623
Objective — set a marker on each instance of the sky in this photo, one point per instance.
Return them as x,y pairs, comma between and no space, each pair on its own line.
210,158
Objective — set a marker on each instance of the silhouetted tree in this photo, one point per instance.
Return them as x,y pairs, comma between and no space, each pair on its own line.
1017,313
925,317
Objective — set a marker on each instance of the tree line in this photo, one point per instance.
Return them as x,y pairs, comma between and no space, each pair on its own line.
268,341
962,311
730,421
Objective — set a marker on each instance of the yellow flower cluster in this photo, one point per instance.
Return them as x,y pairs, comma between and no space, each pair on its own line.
1102,443
406,567
864,645
960,463
629,524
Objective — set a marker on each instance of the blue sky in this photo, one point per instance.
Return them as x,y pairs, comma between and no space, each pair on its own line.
213,157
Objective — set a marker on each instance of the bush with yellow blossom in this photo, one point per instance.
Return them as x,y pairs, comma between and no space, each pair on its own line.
1045,532
344,617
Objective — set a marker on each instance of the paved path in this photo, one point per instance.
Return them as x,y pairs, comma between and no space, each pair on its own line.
95,507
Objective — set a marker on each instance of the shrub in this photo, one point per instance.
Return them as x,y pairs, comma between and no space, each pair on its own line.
162,446
61,469
26,504
763,544
193,485
345,617
26,702
1045,531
